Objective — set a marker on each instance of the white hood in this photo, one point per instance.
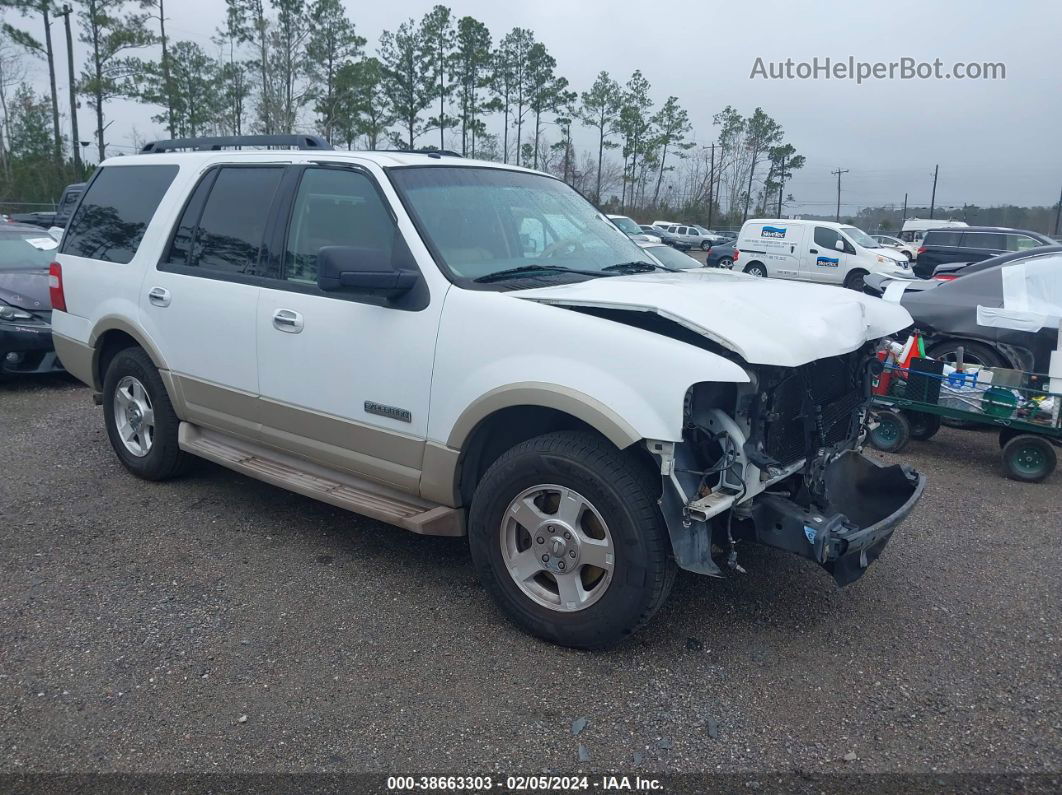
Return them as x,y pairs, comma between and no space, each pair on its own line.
765,321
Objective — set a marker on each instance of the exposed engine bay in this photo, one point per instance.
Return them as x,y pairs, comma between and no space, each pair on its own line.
776,461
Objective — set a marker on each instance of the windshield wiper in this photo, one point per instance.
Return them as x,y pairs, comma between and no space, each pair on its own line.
640,266
526,269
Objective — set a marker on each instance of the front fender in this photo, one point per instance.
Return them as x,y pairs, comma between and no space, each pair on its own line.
495,351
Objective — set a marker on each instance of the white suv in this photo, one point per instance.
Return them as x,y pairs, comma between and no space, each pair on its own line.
464,347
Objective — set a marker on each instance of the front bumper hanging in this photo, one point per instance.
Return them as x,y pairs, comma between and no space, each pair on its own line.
865,501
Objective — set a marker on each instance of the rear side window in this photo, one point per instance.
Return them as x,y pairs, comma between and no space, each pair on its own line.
991,240
110,222
223,225
942,238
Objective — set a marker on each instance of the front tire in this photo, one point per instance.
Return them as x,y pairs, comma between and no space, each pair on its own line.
854,281
566,535
141,424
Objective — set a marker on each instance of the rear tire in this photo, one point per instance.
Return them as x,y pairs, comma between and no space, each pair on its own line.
726,262
141,424
1029,458
577,486
923,425
756,269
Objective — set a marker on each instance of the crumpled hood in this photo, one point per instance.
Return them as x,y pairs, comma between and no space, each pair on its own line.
765,321
25,289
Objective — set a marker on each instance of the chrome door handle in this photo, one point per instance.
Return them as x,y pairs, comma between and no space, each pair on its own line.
159,296
287,320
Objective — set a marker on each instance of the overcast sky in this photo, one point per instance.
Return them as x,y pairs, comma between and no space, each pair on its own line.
996,141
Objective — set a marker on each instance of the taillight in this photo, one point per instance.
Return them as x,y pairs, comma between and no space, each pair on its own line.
55,287
946,277
921,250
736,252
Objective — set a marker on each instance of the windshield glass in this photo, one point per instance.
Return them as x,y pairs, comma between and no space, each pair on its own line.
626,224
484,220
672,258
860,237
21,251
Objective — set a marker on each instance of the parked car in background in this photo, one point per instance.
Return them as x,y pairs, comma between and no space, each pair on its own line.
909,250
632,230
67,202
953,270
688,236
816,251
722,255
709,235
972,244
25,309
212,299
42,219
914,229
972,312
662,234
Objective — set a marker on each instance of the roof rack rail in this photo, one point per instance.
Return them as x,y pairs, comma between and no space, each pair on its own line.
221,142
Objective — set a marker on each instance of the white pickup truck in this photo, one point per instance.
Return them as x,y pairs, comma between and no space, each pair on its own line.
459,347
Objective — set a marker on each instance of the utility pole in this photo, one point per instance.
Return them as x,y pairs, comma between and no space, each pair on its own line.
933,201
711,187
904,218
58,142
1058,214
781,186
74,140
838,172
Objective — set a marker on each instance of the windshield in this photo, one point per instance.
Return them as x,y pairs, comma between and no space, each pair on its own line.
860,237
21,251
626,224
483,220
672,258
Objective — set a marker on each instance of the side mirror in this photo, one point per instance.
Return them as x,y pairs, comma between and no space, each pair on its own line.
839,244
362,270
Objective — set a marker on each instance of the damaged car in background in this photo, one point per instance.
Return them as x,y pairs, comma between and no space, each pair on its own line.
525,374
25,311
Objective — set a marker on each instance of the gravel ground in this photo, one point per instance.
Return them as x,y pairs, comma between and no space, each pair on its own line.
217,623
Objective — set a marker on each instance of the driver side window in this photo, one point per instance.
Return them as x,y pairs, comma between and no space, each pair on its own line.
826,237
334,207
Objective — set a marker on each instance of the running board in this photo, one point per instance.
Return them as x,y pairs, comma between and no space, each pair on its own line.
342,489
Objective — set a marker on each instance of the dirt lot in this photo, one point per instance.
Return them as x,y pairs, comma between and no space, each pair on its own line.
216,623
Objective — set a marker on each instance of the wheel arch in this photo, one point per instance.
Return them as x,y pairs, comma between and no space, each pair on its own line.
112,335
510,415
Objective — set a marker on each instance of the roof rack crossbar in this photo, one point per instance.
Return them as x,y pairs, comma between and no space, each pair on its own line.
304,142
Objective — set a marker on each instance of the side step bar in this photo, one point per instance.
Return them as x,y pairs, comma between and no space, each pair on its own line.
341,489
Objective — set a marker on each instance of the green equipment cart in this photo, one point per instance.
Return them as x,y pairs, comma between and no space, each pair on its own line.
909,403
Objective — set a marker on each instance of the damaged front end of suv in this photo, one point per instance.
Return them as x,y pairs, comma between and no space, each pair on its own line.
778,461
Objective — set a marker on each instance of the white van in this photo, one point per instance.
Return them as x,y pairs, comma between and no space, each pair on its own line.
816,251
914,229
